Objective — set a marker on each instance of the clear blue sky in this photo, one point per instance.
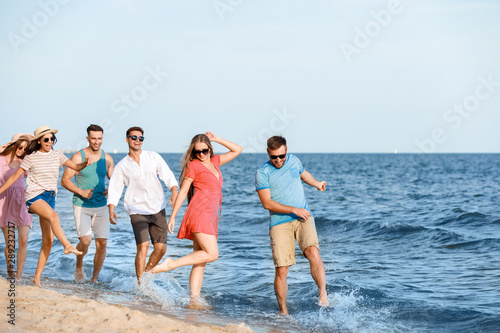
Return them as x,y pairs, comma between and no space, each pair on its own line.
332,76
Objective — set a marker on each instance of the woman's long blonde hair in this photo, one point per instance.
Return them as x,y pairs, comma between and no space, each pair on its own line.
189,156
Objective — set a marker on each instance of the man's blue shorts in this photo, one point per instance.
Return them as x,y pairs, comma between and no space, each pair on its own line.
47,196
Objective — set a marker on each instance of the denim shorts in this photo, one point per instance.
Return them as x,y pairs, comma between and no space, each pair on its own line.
47,196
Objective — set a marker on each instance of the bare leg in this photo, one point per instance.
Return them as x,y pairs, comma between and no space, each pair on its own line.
281,288
100,255
140,259
9,234
196,280
47,240
317,272
208,252
44,211
22,241
82,246
196,276
159,250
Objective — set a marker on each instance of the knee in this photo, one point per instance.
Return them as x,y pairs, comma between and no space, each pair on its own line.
161,250
100,244
143,247
47,240
282,272
213,256
86,240
312,253
53,217
23,242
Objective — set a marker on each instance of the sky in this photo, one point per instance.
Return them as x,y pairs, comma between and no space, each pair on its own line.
331,76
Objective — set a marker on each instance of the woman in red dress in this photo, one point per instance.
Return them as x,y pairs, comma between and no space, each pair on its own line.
201,183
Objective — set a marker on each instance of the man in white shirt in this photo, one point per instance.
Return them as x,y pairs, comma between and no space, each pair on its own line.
140,171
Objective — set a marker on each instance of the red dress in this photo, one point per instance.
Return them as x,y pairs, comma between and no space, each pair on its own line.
203,211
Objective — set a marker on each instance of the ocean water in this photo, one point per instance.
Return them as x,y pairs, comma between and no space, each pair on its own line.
410,243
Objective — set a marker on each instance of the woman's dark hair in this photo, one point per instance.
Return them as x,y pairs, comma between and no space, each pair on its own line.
35,145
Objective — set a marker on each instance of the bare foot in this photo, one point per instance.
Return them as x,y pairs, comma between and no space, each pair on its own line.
323,301
71,249
163,267
36,281
196,304
79,274
94,280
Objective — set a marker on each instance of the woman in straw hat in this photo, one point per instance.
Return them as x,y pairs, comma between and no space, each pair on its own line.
42,164
13,212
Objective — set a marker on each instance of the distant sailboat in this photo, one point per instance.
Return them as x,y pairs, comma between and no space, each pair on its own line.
115,151
395,151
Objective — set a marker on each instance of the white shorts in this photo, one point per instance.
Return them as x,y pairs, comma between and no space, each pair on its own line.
92,219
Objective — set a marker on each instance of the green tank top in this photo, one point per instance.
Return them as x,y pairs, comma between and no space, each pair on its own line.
91,177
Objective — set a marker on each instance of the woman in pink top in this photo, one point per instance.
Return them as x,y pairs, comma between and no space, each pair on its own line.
13,211
42,164
202,183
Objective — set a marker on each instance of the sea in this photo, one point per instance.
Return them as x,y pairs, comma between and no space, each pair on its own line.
410,243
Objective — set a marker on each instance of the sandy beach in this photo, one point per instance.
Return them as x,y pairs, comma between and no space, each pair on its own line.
33,309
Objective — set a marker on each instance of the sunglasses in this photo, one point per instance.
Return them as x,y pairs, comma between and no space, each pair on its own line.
53,138
203,151
273,157
135,137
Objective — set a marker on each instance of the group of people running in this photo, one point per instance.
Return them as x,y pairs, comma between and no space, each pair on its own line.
278,183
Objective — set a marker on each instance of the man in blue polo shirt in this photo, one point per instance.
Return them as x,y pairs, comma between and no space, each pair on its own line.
279,185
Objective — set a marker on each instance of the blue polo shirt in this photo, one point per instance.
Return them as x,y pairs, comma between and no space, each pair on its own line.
285,186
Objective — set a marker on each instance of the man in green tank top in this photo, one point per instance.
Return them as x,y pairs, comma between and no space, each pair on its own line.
89,200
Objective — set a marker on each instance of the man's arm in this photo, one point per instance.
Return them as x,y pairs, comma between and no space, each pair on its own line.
270,204
70,173
116,185
110,165
311,181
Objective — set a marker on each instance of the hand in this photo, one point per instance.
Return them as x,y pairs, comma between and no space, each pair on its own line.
321,186
302,213
212,136
87,194
171,225
172,198
112,217
105,192
87,161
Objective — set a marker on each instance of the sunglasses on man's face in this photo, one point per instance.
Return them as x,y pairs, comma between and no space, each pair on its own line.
273,157
49,139
203,151
135,137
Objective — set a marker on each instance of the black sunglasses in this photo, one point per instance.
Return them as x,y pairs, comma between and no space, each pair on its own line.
52,138
273,157
203,151
135,137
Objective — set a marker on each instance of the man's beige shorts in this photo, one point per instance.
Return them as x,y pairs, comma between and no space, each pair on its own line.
283,240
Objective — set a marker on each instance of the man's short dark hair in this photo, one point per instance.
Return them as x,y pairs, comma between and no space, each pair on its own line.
94,128
135,128
276,142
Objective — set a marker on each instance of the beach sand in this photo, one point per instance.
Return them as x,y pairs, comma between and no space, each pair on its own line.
43,310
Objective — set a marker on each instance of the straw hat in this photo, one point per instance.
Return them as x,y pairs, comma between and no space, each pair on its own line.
41,131
16,137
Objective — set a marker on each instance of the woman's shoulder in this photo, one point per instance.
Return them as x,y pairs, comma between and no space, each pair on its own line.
215,159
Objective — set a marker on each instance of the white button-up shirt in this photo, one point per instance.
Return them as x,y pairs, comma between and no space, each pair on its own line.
144,194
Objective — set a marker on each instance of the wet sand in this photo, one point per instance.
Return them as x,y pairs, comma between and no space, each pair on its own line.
33,309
